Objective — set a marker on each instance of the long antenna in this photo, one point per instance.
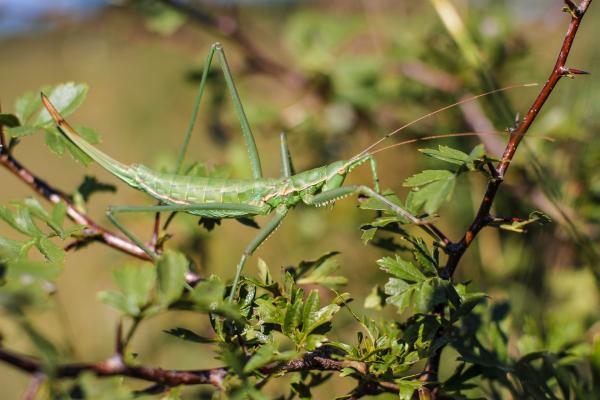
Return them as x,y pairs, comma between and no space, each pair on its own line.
439,110
449,135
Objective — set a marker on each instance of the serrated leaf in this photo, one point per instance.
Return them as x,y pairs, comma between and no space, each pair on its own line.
90,135
320,317
9,120
311,306
21,221
208,294
429,294
292,318
260,358
428,176
406,388
399,293
432,195
66,97
320,274
119,301
188,335
171,269
26,105
54,140
10,250
20,131
135,282
59,212
447,154
50,250
402,269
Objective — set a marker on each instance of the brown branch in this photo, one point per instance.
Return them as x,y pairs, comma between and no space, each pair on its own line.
483,216
115,366
92,231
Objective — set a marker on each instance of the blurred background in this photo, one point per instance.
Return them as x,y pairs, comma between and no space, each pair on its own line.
335,76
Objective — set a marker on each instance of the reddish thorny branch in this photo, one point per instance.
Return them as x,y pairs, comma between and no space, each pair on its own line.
483,217
319,360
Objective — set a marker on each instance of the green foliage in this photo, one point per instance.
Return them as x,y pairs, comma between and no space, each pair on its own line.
491,348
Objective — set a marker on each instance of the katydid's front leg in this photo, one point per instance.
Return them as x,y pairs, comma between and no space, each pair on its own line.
264,233
237,105
235,208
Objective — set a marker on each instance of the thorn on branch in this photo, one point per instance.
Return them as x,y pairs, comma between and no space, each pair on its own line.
571,72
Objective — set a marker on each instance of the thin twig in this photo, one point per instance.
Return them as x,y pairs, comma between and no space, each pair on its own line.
115,366
483,216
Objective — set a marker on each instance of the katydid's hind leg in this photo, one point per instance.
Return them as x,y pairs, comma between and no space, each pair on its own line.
237,105
199,94
264,233
233,207
287,167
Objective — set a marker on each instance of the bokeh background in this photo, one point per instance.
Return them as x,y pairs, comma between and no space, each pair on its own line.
335,75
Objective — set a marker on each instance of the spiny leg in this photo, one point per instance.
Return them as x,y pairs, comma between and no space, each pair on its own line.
234,207
337,193
237,104
287,168
334,194
264,233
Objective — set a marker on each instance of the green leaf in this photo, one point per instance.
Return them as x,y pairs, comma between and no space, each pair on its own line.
402,269
321,273
400,293
119,301
90,135
208,294
20,131
32,271
9,120
375,299
50,250
313,302
135,283
27,105
428,176
260,358
66,97
189,336
293,317
447,154
407,388
21,221
432,195
54,140
10,250
171,269
320,317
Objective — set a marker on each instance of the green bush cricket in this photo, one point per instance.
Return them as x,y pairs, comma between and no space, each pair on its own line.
238,198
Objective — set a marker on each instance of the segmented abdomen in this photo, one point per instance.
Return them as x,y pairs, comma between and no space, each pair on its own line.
181,189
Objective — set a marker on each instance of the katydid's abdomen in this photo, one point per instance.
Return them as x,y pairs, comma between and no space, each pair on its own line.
188,189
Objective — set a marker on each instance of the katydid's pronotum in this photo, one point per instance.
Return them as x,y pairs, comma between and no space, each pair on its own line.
235,198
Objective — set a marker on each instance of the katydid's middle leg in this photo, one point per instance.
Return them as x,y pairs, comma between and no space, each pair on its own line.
264,233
